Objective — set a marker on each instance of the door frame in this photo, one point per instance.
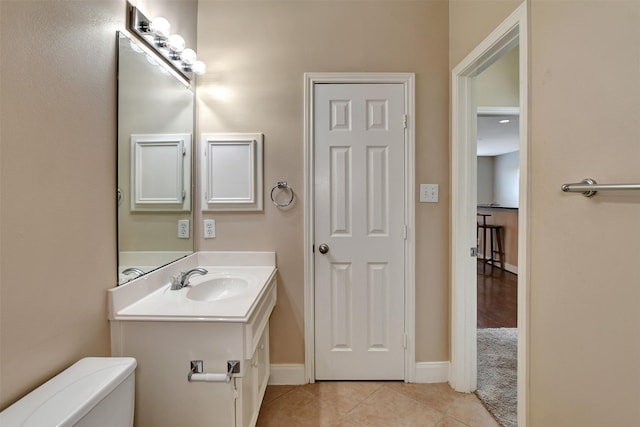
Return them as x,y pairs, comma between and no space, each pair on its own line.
408,82
463,372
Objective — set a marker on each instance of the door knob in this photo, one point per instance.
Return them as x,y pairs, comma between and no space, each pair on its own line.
323,248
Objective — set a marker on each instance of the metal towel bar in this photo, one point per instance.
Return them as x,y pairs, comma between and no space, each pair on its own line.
589,187
196,374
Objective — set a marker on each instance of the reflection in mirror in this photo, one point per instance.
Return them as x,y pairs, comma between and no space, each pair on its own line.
155,133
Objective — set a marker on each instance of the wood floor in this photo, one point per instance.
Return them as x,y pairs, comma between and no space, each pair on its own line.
497,298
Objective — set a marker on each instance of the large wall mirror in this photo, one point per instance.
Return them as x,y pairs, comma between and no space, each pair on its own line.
155,144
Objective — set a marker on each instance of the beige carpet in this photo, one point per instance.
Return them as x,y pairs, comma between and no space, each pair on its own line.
497,373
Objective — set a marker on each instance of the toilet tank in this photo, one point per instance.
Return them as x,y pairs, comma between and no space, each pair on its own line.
94,392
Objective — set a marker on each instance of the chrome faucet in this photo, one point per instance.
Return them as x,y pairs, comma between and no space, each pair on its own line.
134,270
182,279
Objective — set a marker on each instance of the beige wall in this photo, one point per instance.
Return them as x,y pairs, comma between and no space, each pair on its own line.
257,52
497,86
57,224
470,21
584,293
57,177
585,280
58,251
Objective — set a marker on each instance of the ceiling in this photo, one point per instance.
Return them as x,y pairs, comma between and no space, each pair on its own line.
495,138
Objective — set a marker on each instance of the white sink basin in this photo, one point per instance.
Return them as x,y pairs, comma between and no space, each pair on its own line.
217,289
233,287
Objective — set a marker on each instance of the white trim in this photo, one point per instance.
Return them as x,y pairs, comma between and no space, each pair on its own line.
294,374
248,198
524,221
499,111
432,372
287,374
408,80
508,267
511,268
142,173
463,171
512,31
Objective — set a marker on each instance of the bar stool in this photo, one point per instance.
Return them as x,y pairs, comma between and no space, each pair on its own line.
494,231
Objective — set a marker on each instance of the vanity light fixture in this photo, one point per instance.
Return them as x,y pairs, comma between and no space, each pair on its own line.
157,35
160,27
188,56
504,121
199,67
175,44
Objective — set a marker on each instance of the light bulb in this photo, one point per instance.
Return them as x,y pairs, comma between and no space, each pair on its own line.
199,68
161,27
175,42
188,56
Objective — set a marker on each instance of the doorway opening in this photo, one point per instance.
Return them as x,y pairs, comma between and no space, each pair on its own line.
464,172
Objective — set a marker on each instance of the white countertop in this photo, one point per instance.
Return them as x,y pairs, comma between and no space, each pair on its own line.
151,299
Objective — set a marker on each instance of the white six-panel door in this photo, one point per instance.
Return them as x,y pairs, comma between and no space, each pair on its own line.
359,215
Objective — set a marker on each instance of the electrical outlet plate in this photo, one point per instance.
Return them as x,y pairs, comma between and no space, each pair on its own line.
209,228
183,229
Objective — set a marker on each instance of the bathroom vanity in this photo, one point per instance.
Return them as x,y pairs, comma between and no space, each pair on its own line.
219,317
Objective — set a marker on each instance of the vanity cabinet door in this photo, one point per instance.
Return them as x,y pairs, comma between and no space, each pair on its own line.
164,396
254,382
247,398
263,364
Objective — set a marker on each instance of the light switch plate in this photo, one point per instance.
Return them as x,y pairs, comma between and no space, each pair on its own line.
429,193
209,228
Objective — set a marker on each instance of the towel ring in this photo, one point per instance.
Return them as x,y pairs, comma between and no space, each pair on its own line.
282,185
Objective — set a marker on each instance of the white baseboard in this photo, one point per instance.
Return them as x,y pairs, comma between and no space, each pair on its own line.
509,267
292,374
432,372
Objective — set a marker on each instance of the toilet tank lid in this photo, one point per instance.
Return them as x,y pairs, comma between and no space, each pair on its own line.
66,398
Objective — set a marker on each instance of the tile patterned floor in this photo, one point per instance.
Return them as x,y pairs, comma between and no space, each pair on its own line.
371,404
